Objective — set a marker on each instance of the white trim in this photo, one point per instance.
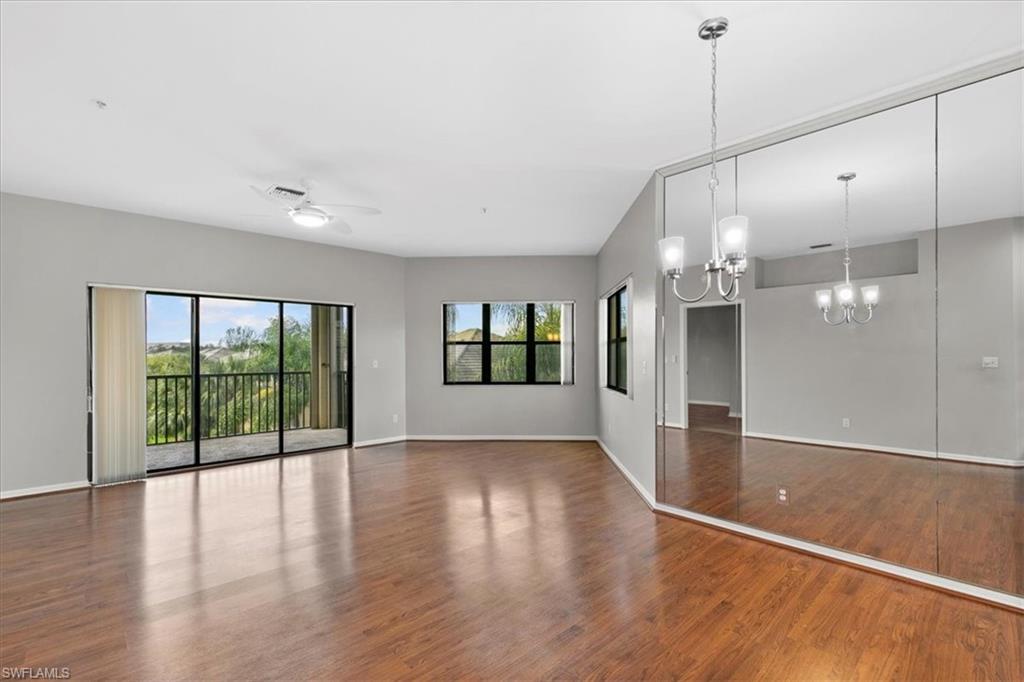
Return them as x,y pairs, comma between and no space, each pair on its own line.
490,437
735,415
885,449
644,494
674,425
40,489
712,403
378,441
922,577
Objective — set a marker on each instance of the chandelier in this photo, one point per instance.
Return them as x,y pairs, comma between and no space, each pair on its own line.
845,291
728,237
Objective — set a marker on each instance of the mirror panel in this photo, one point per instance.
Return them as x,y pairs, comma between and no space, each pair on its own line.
902,438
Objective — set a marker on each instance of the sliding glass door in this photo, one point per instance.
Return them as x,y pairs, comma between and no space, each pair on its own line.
249,377
239,382
315,376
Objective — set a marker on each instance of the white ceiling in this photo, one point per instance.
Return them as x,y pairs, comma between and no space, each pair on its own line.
550,115
791,195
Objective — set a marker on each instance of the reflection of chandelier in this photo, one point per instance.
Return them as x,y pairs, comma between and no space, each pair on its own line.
728,238
845,292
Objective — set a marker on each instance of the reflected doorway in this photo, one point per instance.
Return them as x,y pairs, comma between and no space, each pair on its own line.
712,380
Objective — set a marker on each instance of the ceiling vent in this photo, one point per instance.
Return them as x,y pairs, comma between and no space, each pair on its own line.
286,194
821,246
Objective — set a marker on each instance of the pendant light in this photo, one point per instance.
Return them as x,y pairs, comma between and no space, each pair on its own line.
728,237
845,292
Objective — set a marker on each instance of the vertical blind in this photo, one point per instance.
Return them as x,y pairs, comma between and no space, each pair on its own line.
119,384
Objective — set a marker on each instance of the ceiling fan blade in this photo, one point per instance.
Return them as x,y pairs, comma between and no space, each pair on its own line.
351,208
258,215
340,226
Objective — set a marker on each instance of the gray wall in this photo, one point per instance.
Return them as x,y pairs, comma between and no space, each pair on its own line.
435,409
980,287
711,355
50,250
626,424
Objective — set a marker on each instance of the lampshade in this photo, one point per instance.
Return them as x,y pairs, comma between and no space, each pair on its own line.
844,294
824,297
671,250
870,294
732,236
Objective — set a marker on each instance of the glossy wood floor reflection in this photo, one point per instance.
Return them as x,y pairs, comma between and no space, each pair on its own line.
961,520
441,560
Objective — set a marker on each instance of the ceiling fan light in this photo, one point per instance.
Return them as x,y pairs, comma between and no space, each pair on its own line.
309,217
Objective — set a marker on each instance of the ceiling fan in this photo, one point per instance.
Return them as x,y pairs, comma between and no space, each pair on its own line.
300,207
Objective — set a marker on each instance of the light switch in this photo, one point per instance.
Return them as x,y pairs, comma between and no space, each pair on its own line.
989,362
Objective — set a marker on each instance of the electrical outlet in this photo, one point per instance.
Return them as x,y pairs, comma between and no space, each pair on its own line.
394,419
990,362
846,422
782,495
375,364
643,367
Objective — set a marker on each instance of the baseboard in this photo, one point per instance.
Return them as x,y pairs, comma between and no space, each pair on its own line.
674,425
927,454
488,437
644,494
43,489
876,565
378,441
736,415
713,403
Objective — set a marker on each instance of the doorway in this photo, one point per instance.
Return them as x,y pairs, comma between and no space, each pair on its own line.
713,360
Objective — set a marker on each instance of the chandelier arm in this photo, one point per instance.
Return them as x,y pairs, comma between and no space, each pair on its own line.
733,290
842,320
853,315
707,288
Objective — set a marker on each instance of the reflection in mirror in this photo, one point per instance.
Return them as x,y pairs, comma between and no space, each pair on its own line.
776,419
981,333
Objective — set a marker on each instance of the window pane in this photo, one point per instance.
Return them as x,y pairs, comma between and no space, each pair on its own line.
508,322
613,316
465,362
464,322
508,362
621,365
612,364
549,362
623,314
547,322
168,382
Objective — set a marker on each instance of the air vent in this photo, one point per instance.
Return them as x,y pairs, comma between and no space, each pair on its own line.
285,193
821,246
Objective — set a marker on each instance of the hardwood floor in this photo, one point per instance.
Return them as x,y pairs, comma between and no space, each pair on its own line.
961,520
441,560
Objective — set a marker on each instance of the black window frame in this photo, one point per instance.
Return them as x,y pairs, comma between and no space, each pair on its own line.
486,344
616,336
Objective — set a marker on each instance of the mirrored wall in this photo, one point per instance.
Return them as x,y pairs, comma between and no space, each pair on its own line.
893,428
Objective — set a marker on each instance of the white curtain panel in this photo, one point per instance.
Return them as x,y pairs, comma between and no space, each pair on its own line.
568,342
119,384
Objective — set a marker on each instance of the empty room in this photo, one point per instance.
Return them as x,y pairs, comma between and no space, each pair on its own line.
512,340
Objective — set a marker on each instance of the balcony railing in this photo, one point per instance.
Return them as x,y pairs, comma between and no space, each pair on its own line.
230,404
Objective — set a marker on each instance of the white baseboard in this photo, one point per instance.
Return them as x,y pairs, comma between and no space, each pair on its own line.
39,490
488,437
736,415
644,494
378,441
927,454
674,425
931,579
713,403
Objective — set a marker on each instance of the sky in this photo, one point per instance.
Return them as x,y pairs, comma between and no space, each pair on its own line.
168,317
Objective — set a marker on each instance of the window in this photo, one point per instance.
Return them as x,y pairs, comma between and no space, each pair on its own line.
618,342
508,343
